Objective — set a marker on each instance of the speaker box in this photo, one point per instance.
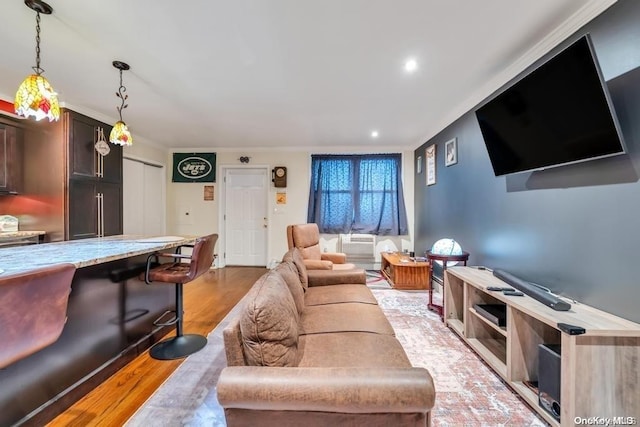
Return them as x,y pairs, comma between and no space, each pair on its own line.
549,379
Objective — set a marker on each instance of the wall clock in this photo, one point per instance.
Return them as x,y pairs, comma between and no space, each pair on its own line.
279,176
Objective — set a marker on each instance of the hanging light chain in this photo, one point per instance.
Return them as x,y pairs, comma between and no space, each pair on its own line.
123,96
120,133
37,68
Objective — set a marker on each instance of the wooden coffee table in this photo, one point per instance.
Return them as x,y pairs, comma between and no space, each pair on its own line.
404,273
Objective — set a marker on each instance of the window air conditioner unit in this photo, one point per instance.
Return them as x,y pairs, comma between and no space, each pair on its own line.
359,248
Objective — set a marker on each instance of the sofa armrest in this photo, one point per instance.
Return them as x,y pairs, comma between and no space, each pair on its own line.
342,390
232,336
334,257
336,277
316,264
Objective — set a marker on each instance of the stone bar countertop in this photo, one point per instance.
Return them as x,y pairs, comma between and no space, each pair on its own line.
85,252
12,235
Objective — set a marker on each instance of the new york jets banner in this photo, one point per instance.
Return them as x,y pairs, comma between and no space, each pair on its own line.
194,167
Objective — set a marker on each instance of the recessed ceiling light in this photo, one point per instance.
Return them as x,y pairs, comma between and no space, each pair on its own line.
410,65
374,134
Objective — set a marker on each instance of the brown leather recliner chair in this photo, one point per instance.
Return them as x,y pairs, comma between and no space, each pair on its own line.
306,237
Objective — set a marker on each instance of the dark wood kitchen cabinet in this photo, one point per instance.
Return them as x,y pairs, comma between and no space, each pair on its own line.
111,208
83,209
11,158
94,189
84,161
95,209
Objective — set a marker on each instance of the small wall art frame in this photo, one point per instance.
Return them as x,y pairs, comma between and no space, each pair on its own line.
419,165
451,152
431,164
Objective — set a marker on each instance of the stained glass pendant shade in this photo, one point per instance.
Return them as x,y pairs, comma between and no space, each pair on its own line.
120,134
35,96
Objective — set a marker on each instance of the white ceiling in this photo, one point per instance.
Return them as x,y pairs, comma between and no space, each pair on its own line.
264,74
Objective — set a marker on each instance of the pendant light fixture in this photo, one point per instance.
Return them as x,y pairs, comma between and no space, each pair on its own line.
120,133
35,96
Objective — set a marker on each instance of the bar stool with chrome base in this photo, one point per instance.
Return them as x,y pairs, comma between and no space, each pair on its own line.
180,273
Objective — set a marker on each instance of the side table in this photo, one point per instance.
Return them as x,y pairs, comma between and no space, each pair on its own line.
431,257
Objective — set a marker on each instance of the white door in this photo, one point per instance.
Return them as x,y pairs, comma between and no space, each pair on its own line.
132,197
246,216
154,203
143,198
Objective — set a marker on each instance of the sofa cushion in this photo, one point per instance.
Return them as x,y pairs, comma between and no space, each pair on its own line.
269,323
336,277
289,273
346,266
352,349
293,255
345,317
334,294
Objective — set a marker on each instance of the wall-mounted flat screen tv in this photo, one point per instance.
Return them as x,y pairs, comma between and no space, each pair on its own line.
558,114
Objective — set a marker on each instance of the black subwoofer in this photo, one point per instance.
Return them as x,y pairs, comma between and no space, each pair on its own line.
549,378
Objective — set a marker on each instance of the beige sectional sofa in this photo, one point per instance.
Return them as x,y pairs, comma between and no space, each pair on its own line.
315,353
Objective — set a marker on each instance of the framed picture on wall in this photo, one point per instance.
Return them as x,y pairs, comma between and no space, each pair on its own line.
451,152
194,167
419,164
431,164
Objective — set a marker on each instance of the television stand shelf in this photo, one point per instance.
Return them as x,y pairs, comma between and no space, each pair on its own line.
599,369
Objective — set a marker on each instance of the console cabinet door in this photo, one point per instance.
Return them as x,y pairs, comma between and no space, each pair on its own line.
10,160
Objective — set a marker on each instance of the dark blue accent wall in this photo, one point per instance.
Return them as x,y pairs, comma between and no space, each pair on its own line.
575,228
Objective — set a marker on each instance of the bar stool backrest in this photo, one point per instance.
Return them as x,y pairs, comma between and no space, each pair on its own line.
33,310
202,256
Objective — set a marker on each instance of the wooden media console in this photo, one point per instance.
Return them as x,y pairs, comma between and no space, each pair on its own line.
599,373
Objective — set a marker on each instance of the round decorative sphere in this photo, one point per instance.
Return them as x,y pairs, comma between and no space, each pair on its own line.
447,247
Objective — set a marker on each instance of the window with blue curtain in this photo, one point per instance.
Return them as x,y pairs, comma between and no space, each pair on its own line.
357,194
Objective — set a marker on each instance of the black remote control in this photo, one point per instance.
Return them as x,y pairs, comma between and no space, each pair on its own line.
571,329
499,288
513,293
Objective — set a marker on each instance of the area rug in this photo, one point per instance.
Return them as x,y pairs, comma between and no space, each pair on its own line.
468,393
375,280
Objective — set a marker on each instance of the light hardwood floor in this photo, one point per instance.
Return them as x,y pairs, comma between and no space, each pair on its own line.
206,301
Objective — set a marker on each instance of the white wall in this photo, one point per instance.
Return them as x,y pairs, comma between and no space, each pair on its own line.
203,218
150,153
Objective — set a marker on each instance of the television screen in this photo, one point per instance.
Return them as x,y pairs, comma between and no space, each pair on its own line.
558,114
